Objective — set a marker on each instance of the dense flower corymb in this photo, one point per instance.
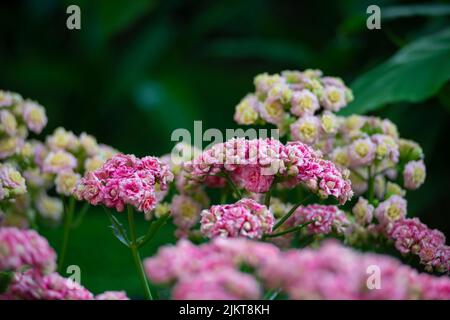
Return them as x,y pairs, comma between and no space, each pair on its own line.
125,179
254,164
33,285
21,248
245,218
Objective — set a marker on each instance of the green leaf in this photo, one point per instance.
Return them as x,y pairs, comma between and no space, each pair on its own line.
413,74
5,280
118,230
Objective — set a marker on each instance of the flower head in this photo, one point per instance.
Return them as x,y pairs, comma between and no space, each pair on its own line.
245,218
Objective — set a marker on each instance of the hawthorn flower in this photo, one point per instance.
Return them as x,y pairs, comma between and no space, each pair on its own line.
58,161
247,110
414,174
245,218
34,116
391,210
21,248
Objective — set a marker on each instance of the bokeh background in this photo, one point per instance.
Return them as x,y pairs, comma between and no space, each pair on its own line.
139,69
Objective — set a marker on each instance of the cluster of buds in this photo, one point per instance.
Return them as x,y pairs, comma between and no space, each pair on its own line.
299,103
33,170
408,235
17,118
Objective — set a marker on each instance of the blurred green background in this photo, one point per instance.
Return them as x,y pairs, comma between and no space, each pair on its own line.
139,69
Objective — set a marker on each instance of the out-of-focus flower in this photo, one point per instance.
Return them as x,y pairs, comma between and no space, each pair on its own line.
22,248
58,161
62,139
10,146
12,183
112,295
361,152
8,122
391,210
49,207
66,181
363,211
323,218
222,284
185,211
32,285
247,110
414,174
34,116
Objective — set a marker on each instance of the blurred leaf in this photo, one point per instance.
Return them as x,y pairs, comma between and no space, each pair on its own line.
357,21
413,74
395,12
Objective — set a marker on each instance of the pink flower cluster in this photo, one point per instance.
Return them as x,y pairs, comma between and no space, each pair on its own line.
413,237
246,218
112,295
325,219
337,272
212,271
125,179
33,285
254,164
221,284
25,248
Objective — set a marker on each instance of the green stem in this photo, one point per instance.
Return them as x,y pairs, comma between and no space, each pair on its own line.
233,186
287,215
267,198
81,215
271,294
68,215
371,184
293,229
154,228
136,256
